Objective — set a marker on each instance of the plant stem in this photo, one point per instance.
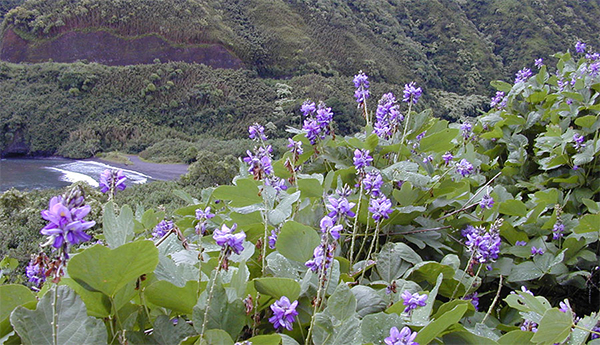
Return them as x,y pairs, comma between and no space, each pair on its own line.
494,301
210,292
375,235
55,316
463,276
354,229
317,303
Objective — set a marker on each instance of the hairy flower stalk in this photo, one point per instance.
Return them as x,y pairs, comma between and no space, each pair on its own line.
362,93
411,96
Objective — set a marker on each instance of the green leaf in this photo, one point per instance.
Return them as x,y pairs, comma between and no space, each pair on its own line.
244,193
297,241
525,271
516,337
579,335
117,230
513,208
284,209
588,223
422,314
555,327
74,325
440,141
222,314
217,337
166,333
394,259
342,304
278,287
501,85
310,188
435,328
180,299
270,339
12,296
97,303
376,327
101,269
586,121
367,300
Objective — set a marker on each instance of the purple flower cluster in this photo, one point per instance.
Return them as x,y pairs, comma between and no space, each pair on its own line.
273,238
411,93
597,330
466,129
321,258
260,162
257,132
226,238
578,140
36,271
111,180
557,230
372,183
520,243
485,245
539,63
474,299
284,313
362,159
580,47
361,83
403,337
486,202
412,301
523,75
498,101
594,69
464,167
317,124
295,148
162,228
529,326
202,216
328,226
387,116
340,207
380,208
66,224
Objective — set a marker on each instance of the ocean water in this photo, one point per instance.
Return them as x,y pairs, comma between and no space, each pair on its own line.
42,173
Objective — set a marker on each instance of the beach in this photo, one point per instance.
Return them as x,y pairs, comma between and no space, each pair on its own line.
157,171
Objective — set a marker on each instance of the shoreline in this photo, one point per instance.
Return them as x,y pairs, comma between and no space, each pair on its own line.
157,171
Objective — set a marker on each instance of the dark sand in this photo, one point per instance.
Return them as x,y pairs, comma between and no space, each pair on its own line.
158,171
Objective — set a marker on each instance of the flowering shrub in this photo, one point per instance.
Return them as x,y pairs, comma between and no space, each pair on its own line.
413,231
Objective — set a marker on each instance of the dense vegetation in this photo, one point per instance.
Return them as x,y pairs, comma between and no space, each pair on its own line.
453,49
413,230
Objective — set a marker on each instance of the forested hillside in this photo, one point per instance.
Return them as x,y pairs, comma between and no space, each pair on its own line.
289,50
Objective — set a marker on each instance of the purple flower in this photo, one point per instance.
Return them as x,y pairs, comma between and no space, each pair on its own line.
557,230
324,118
428,159
464,167
597,330
592,56
257,132
447,157
523,75
564,307
411,93
340,207
539,63
466,129
485,245
362,159
520,243
580,47
227,239
111,180
260,162
276,182
537,251
529,326
295,147
321,259
578,139
594,69
35,272
372,183
328,227
312,129
66,223
486,202
273,239
499,101
387,116
308,108
474,299
162,228
380,207
204,214
361,83
412,301
403,337
284,313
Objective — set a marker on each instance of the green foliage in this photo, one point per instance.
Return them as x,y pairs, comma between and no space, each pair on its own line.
523,156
